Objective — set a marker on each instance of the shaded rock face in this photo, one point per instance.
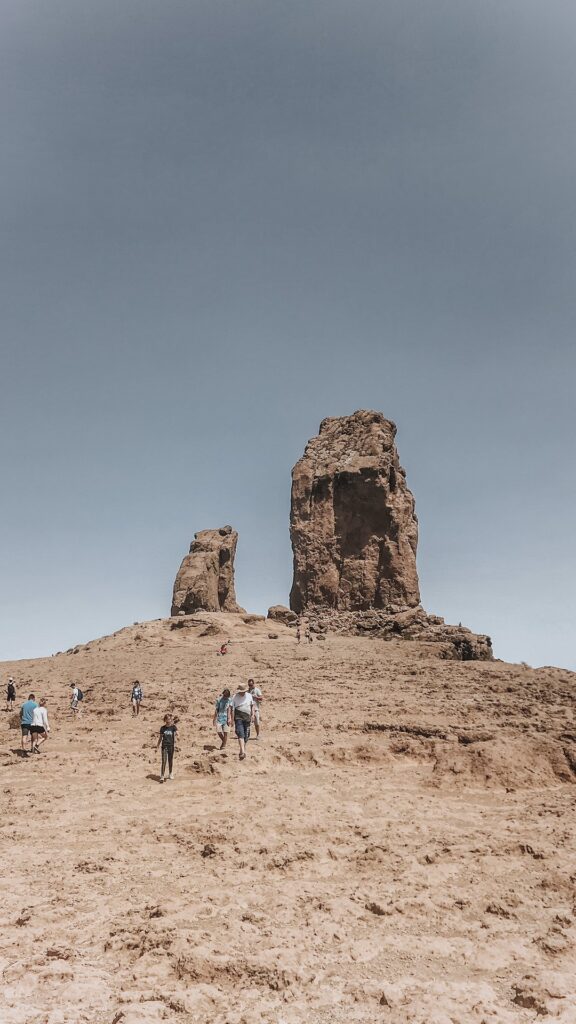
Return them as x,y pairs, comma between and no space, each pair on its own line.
205,580
353,526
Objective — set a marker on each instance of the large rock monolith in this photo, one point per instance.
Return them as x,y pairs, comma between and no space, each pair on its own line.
205,580
353,526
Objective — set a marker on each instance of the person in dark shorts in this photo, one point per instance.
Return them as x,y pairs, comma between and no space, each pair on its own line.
243,711
40,728
26,719
167,738
10,694
136,698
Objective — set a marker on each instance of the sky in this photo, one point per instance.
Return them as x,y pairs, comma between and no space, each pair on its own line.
222,221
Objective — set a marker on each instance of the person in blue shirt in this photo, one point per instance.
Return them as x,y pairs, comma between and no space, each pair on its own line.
26,720
222,715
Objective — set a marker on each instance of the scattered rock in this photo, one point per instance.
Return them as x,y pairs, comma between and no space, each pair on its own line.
280,613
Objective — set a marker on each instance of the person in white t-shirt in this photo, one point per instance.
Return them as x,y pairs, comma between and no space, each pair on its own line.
40,728
243,712
256,694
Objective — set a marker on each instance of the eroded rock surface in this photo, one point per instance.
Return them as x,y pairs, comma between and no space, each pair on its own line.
458,642
353,526
205,580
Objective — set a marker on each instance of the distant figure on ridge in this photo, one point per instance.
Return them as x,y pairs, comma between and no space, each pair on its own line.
136,698
26,719
256,694
223,717
40,727
224,648
167,738
10,694
243,711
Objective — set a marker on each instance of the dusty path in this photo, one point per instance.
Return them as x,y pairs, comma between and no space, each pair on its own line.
421,870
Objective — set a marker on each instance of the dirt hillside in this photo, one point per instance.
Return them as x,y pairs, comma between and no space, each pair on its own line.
398,846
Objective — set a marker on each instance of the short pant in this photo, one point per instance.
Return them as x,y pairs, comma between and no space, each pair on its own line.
222,727
242,729
26,729
38,730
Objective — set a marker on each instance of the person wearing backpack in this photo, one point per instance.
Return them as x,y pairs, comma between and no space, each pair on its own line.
10,694
136,698
77,696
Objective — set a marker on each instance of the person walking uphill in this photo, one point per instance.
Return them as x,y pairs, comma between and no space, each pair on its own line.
26,720
167,738
10,694
40,727
243,711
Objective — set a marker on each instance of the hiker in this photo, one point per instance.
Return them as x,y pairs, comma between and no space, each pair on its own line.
309,636
76,697
298,635
26,717
222,717
256,694
10,694
243,711
136,698
224,648
40,728
167,738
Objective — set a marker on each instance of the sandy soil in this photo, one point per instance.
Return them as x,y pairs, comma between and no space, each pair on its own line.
398,847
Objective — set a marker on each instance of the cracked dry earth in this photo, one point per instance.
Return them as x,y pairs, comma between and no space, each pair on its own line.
399,847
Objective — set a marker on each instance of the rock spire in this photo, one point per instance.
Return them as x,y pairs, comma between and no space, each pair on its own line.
205,580
353,526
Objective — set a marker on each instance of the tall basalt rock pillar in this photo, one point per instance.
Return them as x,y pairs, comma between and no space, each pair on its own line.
205,580
353,526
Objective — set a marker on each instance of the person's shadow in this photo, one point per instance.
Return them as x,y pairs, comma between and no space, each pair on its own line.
19,752
155,778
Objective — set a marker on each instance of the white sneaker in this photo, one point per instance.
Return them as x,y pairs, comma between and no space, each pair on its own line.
161,778
171,776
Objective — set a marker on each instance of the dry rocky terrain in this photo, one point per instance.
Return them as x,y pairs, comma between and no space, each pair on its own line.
398,847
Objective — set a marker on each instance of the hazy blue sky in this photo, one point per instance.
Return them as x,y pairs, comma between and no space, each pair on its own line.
224,220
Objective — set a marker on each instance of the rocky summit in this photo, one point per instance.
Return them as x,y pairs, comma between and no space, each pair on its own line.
353,526
354,536
205,580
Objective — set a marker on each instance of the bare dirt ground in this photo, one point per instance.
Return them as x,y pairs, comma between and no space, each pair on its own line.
398,847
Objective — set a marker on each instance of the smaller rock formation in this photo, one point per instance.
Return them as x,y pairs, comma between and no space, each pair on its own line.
205,580
279,613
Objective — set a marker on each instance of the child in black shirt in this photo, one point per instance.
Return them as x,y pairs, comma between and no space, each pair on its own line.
167,738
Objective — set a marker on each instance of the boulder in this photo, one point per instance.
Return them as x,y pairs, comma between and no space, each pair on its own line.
353,525
205,580
279,613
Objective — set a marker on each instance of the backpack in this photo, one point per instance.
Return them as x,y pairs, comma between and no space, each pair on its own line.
80,694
